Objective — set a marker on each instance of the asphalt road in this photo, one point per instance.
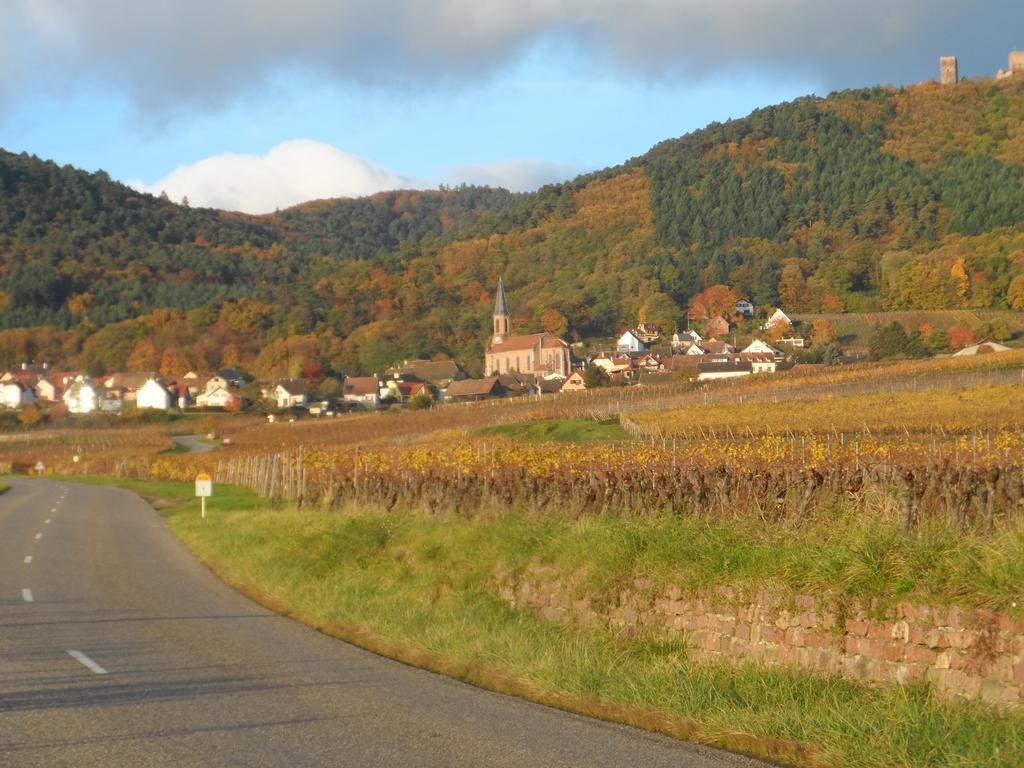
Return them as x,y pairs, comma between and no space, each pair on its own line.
194,443
118,648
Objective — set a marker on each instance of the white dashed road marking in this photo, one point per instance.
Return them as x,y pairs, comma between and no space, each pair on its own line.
39,536
26,595
28,559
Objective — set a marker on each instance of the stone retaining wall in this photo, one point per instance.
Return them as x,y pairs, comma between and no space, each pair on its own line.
975,654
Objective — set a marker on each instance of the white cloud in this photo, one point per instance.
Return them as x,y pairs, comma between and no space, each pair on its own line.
200,53
292,172
514,175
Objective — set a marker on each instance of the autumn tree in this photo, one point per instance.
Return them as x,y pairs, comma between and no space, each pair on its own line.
554,322
174,363
30,415
146,356
792,284
823,332
961,336
662,310
1015,293
779,330
713,301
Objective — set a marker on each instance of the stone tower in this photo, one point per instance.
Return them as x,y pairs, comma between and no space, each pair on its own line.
949,70
501,317
1016,66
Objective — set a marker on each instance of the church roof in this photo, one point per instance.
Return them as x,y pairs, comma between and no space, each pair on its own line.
517,343
500,305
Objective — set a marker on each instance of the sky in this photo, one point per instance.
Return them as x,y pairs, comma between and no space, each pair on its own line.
256,105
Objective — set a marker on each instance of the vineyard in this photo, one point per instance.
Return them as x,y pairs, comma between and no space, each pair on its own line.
923,442
919,452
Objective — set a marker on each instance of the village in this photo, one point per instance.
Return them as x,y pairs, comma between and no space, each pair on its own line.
534,365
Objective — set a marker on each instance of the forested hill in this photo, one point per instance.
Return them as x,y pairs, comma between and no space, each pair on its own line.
866,200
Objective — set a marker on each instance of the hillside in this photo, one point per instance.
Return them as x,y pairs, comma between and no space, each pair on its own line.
866,201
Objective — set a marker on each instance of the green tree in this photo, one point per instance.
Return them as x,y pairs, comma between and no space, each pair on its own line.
595,376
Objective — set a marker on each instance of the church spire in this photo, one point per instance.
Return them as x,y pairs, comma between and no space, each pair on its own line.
500,306
501,315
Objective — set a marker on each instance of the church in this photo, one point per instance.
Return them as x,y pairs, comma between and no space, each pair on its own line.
541,354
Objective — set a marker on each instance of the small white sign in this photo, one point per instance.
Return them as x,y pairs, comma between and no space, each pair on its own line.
40,467
204,486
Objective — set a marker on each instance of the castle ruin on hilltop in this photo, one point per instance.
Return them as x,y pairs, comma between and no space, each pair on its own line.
1015,68
949,68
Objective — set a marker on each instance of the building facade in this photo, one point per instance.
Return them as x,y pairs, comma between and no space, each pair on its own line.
541,354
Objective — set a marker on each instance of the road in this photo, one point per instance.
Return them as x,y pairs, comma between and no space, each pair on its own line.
194,443
118,648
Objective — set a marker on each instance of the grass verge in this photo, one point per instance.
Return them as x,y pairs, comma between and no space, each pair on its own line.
420,589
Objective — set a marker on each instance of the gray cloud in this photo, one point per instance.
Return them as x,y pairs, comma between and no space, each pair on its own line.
202,53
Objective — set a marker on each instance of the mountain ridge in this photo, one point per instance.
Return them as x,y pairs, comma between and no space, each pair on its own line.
864,200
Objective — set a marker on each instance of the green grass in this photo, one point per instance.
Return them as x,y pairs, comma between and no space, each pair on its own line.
422,589
569,431
4,487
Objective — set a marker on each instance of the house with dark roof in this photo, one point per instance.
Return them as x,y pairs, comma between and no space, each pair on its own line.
470,390
438,373
363,391
289,393
724,367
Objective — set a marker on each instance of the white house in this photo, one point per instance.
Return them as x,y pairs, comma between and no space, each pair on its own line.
758,347
760,362
745,308
574,383
14,394
778,318
81,396
153,394
218,397
46,390
630,342
362,390
290,393
685,339
726,369
618,364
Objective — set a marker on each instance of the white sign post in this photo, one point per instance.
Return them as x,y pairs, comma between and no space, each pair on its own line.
204,489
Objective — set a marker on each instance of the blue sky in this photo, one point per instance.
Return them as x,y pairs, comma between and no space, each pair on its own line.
336,97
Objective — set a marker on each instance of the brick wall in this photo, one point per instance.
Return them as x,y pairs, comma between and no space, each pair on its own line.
975,654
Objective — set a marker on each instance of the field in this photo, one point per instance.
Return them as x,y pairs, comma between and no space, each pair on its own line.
870,487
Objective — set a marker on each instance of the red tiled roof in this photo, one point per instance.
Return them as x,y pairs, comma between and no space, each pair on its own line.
517,343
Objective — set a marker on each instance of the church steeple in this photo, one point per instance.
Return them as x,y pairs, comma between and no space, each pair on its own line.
501,317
